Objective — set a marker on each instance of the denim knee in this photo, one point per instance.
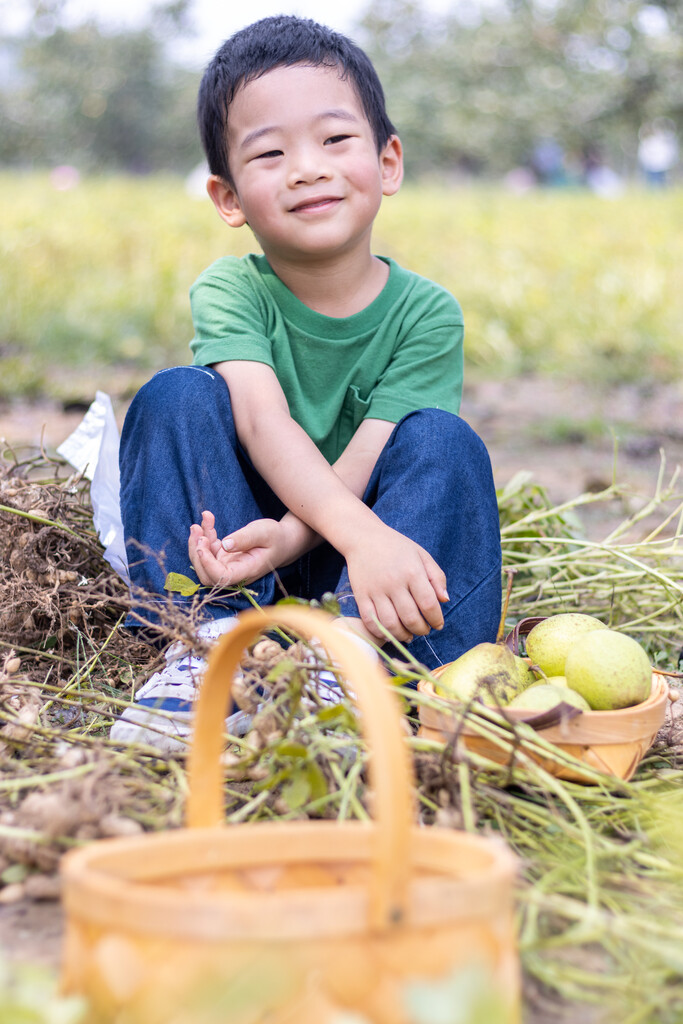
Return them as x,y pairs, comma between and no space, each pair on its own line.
180,402
183,387
442,439
437,427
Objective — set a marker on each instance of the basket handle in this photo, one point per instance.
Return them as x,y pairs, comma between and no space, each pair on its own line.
391,775
522,628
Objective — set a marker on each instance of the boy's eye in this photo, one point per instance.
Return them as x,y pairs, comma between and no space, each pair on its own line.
336,138
269,154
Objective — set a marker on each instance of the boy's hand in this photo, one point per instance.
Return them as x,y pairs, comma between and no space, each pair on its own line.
251,553
247,554
396,582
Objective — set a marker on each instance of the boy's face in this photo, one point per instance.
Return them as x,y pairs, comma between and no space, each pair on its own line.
307,175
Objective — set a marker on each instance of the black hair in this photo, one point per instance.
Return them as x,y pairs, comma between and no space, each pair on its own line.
281,41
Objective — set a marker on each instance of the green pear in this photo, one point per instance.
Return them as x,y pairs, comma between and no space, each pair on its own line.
553,680
488,671
549,641
525,673
611,670
545,696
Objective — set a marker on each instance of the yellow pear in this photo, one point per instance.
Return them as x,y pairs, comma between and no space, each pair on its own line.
553,680
611,670
525,673
549,641
545,696
487,671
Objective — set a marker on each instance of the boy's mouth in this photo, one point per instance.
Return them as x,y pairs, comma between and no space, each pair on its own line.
317,203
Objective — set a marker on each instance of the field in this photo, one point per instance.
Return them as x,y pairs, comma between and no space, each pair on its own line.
96,278
574,317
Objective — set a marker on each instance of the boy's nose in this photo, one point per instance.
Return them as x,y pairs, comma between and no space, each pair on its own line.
307,166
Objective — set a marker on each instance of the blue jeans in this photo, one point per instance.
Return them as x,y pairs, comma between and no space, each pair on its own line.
432,482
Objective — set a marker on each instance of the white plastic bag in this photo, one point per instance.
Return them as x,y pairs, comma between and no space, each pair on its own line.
93,449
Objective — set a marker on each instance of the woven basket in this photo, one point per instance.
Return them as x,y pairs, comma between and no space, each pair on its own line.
612,742
289,923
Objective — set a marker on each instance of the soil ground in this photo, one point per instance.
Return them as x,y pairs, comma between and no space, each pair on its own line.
562,432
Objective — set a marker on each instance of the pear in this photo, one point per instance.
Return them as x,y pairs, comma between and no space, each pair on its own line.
489,671
611,670
545,696
553,680
525,673
549,641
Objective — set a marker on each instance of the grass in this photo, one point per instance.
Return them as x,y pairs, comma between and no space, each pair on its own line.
599,898
552,281
95,279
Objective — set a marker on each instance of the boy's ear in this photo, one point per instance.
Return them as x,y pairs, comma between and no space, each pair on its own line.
224,198
391,165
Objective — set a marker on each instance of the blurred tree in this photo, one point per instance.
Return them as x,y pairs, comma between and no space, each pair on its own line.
479,87
98,100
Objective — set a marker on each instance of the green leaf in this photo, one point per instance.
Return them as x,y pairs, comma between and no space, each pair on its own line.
14,873
329,713
289,748
270,782
176,583
338,715
316,781
297,792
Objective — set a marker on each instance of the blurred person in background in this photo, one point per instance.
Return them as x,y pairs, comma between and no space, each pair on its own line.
658,151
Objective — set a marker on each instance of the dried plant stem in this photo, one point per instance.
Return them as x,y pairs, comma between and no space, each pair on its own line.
40,781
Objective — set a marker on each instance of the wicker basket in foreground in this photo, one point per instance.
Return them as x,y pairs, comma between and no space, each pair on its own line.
613,742
289,922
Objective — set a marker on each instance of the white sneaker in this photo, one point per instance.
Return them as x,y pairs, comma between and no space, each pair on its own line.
162,714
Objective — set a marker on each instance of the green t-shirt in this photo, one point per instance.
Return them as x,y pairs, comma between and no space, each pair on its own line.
402,352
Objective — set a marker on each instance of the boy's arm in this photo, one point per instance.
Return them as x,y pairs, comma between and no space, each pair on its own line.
266,544
354,468
393,579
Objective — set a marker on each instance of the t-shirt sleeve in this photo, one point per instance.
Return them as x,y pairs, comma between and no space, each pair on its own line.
426,369
229,317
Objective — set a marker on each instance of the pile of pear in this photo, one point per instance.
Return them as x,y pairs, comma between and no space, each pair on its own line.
571,658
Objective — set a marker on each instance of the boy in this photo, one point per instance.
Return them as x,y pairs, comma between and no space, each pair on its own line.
316,433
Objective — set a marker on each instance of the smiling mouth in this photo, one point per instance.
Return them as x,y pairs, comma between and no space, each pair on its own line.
321,203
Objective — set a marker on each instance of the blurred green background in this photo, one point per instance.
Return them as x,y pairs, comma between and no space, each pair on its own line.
96,278
530,194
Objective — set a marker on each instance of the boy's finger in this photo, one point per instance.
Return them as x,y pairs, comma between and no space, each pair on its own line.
412,615
254,535
209,527
369,618
195,533
197,565
437,577
211,572
217,574
399,617
428,603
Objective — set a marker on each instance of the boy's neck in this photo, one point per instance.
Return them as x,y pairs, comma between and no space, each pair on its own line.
338,287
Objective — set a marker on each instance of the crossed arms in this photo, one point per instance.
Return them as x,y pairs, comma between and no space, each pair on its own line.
395,581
